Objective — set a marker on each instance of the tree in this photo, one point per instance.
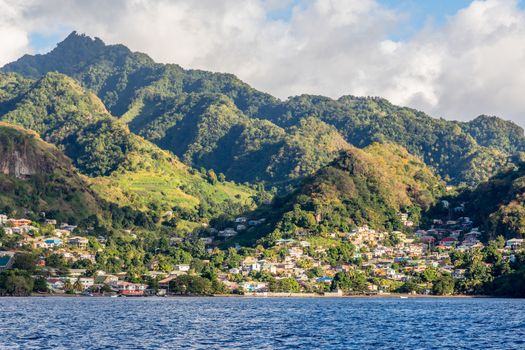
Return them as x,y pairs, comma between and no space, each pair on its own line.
25,261
56,261
40,285
284,285
68,286
191,285
409,287
78,286
443,285
351,281
15,282
430,274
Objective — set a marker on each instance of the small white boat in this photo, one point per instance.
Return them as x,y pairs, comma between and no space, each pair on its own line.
403,297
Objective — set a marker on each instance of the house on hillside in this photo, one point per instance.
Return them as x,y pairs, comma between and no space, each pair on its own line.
78,242
182,267
448,241
53,242
50,222
227,232
19,222
514,243
67,227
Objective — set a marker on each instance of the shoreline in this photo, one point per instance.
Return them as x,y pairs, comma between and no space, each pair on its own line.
271,296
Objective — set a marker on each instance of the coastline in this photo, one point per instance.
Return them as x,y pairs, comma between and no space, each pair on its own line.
271,296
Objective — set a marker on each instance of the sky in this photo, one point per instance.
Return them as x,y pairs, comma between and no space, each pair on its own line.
454,59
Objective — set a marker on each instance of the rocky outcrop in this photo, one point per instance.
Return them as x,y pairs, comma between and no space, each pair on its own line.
23,154
17,164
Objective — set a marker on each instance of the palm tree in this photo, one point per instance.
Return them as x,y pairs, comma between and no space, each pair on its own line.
78,286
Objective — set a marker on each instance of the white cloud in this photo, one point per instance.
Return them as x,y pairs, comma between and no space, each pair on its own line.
473,64
15,41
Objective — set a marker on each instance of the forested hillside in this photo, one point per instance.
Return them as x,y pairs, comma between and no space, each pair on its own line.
127,170
216,121
498,204
369,186
36,176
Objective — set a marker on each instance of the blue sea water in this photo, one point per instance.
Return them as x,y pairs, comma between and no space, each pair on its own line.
259,323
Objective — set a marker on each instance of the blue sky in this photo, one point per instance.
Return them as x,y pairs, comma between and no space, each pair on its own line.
419,12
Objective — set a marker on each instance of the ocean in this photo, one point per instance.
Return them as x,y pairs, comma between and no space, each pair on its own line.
261,323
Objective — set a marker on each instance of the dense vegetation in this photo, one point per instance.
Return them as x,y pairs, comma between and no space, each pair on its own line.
498,204
361,187
198,115
338,164
36,176
128,171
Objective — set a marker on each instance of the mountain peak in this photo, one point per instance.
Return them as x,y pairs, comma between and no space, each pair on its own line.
75,40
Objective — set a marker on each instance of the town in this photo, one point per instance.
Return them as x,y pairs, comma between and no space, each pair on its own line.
377,262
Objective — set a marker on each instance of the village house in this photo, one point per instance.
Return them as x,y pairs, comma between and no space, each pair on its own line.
53,242
86,282
514,243
131,289
165,283
182,267
55,284
295,252
61,233
50,222
448,242
258,287
19,222
241,220
227,232
76,272
78,242
67,227
24,229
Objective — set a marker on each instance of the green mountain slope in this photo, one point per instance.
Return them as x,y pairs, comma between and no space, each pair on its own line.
216,121
36,176
128,170
498,204
442,144
369,186
490,131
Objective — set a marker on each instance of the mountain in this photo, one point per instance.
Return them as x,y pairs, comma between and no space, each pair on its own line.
36,176
218,122
491,131
125,169
498,204
442,144
369,186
